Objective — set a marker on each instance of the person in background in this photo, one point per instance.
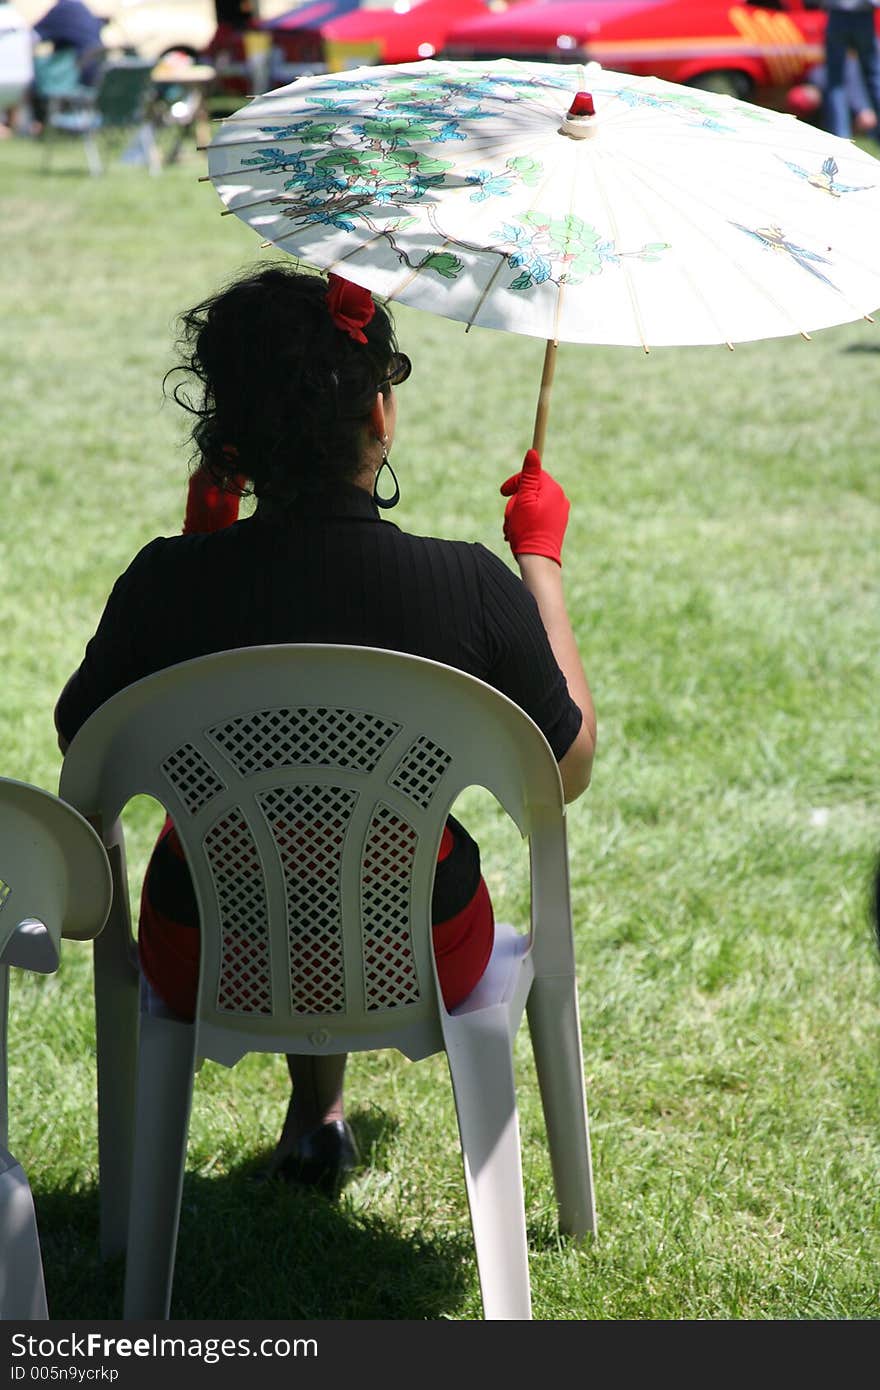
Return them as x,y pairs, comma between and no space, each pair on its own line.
851,28
807,99
71,24
292,382
16,68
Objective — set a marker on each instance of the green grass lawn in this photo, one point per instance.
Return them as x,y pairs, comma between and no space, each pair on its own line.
723,569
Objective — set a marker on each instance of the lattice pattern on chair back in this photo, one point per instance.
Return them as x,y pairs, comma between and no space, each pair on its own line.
192,777
5,891
309,825
389,964
419,771
245,984
314,737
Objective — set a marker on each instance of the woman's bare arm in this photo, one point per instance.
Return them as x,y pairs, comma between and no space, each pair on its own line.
543,579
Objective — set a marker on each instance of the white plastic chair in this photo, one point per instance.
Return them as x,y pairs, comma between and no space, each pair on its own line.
54,883
309,786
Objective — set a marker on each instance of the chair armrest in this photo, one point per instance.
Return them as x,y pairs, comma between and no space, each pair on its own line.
32,946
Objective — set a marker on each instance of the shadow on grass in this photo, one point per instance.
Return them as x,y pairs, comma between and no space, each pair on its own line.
251,1250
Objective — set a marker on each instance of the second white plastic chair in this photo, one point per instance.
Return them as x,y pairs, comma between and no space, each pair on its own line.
54,883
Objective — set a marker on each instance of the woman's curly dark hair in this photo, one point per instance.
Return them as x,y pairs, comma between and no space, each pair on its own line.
282,394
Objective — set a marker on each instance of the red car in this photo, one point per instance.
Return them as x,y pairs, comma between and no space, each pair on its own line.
757,49
393,31
244,45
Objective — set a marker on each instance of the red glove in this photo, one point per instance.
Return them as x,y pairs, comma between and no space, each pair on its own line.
209,507
536,516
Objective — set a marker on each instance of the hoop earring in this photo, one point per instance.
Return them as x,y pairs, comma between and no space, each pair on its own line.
386,503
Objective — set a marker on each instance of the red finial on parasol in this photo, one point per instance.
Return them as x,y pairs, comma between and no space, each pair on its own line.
582,105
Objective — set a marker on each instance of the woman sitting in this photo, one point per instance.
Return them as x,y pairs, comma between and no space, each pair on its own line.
292,384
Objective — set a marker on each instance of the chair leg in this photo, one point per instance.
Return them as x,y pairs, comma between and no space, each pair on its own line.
165,1082
4,1075
22,1289
93,154
152,156
481,1066
554,1025
116,1026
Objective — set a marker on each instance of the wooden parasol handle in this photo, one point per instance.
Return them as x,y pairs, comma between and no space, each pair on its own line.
543,411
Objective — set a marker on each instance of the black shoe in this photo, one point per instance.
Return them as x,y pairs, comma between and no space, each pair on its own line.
322,1159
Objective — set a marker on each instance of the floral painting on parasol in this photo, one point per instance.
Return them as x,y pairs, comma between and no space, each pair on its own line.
568,204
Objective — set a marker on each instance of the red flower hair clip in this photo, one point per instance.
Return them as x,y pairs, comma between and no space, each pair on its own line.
351,307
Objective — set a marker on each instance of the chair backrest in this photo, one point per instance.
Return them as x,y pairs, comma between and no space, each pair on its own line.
57,74
122,91
309,786
54,877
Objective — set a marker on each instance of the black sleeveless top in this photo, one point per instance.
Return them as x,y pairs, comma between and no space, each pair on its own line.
335,572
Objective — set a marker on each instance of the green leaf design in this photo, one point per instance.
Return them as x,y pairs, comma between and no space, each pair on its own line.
529,170
522,281
399,129
571,233
392,165
427,164
587,263
319,131
443,262
535,219
338,159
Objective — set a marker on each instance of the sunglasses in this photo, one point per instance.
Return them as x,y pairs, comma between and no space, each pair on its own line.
400,370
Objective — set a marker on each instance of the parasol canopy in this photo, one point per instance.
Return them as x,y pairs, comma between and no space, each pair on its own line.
571,204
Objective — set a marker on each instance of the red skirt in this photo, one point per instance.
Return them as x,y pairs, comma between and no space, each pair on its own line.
168,938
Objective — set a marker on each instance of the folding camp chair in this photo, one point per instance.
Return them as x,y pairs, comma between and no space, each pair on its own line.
115,108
